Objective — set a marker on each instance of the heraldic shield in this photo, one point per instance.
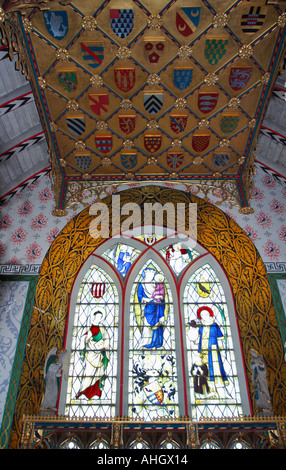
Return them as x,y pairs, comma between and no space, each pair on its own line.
93,53
76,124
67,79
124,78
182,77
103,143
56,23
152,142
127,123
178,122
200,142
122,21
215,49
175,159
187,20
128,160
83,161
98,103
207,101
239,77
154,49
221,159
153,102
252,18
229,122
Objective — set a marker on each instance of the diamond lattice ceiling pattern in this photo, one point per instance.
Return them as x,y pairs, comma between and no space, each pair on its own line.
140,90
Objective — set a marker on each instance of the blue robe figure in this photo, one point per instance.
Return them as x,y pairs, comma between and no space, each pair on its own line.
123,262
154,314
214,334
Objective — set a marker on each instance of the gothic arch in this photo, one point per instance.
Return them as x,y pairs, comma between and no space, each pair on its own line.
219,234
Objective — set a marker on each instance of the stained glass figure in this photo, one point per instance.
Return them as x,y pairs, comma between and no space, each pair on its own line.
213,377
179,256
152,356
93,366
121,256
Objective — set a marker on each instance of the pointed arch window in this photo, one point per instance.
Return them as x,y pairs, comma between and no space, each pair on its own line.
160,322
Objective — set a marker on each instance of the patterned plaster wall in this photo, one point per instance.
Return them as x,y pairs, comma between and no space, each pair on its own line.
27,226
12,303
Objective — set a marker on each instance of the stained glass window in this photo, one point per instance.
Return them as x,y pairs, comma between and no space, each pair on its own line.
93,365
213,376
175,341
152,358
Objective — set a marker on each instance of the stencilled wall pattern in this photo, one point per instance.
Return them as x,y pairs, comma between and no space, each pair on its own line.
27,226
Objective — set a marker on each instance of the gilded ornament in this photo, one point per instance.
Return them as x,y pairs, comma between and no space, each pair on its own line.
252,123
106,161
101,125
152,125
241,160
42,82
63,162
220,20
123,53
130,176
96,81
27,25
204,124
176,143
245,51
234,103
2,15
282,20
211,79
89,23
180,103
59,212
53,127
185,52
80,145
62,54
86,176
154,22
72,105
217,174
173,175
153,79
126,104
246,210
128,144
224,143
152,161
198,161
265,78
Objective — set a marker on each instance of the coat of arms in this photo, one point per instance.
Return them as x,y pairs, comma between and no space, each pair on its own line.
127,123
93,53
154,49
56,23
152,142
178,122
76,124
215,49
229,122
187,20
252,18
98,103
124,78
103,143
153,102
200,142
182,77
122,21
128,160
175,159
239,77
67,79
83,161
207,101
221,159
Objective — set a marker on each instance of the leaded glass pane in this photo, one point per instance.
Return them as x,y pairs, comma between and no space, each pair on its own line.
178,256
121,256
93,367
214,386
152,359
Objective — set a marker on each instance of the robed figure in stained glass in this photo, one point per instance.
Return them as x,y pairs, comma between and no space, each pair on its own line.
207,334
95,354
151,297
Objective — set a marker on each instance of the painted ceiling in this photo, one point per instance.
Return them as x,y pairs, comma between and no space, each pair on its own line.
134,91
